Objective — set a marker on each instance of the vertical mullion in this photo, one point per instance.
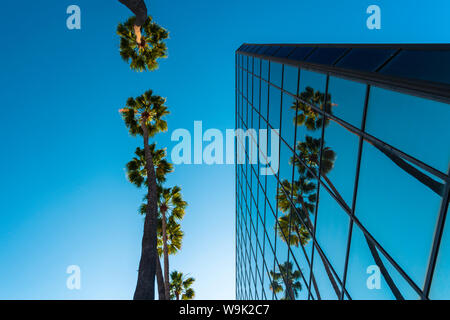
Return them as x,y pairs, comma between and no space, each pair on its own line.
355,190
292,178
439,230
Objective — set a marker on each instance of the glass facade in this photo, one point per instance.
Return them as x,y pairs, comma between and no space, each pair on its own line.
342,189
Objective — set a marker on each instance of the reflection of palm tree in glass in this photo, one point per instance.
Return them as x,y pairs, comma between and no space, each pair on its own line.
312,120
288,278
306,115
309,153
297,221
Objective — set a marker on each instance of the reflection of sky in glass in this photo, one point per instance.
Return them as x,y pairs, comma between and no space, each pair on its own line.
332,231
399,211
360,259
348,107
414,125
440,288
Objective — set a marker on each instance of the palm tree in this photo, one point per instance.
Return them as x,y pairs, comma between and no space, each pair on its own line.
289,278
144,116
180,286
171,207
143,57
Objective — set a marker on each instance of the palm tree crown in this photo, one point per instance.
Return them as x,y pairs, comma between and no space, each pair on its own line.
142,57
147,108
180,286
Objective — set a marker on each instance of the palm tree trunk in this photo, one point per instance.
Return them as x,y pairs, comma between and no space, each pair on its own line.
160,280
145,288
166,254
372,248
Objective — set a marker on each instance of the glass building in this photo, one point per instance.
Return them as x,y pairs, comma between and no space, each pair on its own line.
342,175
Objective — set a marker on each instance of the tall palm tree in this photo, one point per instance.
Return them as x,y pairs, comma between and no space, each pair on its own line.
171,207
170,236
180,286
137,174
144,116
288,278
143,57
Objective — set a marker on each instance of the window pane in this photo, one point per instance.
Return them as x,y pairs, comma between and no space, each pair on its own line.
365,59
284,52
256,93
332,230
323,276
362,273
416,126
309,121
274,107
440,288
300,53
245,84
263,49
275,73
272,50
264,101
257,66
326,55
290,82
429,65
339,158
288,120
265,69
347,98
397,210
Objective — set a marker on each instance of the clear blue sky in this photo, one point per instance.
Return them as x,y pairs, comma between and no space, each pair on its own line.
64,198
